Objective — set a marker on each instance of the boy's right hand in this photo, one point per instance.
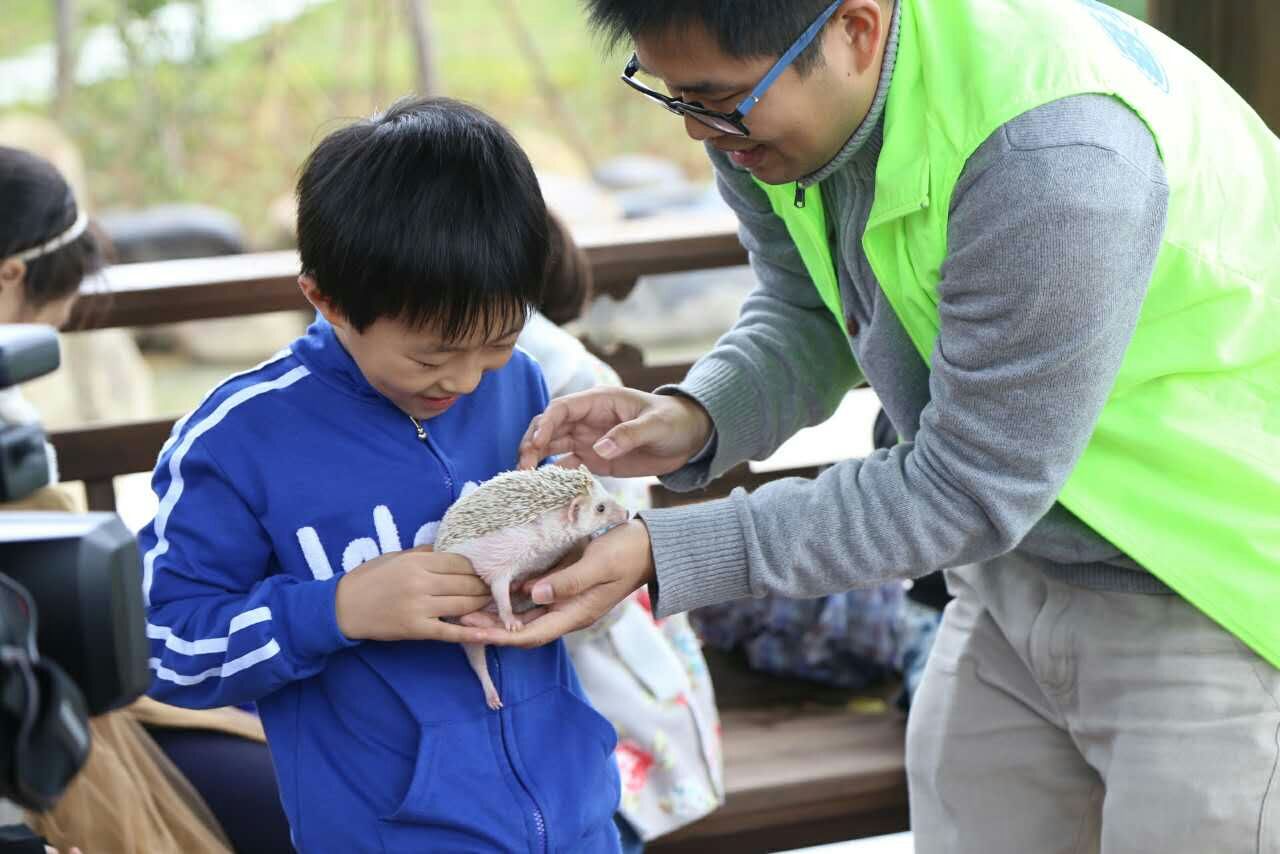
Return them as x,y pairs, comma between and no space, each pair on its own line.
403,595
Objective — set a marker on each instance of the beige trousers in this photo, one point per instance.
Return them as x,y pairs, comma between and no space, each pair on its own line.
1053,718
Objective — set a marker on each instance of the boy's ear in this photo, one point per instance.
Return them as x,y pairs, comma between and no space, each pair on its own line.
322,303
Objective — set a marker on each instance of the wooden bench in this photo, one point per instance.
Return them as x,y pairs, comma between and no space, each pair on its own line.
795,774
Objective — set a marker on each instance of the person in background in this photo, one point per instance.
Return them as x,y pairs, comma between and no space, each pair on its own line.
128,797
647,676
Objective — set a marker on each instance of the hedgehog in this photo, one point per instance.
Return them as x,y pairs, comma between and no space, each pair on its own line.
519,525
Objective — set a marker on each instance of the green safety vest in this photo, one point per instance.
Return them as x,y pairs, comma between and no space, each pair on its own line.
1182,471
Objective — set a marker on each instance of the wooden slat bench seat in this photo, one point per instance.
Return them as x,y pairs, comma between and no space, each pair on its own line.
797,777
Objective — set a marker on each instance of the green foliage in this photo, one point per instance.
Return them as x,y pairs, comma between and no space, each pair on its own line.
231,130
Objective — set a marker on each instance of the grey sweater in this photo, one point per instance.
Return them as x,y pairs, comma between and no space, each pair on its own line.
1054,228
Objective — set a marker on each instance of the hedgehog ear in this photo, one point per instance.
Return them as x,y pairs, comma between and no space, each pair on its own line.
573,513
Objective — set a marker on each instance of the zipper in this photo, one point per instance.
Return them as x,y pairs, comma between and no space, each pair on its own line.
424,439
539,821
799,194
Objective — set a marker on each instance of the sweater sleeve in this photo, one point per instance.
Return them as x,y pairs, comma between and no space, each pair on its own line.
1053,236
224,627
755,383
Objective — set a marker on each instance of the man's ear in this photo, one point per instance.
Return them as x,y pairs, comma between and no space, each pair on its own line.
322,303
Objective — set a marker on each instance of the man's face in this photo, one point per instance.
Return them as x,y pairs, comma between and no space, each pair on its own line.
803,120
418,371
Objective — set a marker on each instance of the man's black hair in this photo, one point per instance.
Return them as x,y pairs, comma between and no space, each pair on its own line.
744,29
429,214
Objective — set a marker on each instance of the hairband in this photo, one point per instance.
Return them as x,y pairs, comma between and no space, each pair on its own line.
77,228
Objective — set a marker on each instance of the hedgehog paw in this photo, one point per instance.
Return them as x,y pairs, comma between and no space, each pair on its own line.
513,624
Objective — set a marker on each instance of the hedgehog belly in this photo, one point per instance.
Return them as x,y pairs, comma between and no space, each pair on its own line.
512,553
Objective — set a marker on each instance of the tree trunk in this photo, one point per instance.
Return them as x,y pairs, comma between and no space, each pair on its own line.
564,118
1234,38
66,47
419,16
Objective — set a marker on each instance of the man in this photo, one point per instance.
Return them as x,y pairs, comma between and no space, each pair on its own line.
1044,234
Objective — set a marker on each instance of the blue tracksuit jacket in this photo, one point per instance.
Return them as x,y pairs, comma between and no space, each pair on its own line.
284,478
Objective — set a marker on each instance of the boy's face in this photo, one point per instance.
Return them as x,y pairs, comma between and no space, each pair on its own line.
802,122
415,368
418,371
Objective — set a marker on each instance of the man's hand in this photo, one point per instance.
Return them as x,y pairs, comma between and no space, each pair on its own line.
403,595
612,567
619,432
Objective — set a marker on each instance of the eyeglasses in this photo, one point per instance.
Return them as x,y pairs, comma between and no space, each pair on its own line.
731,123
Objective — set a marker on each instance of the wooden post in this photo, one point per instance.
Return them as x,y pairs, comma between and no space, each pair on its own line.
423,47
66,56
1234,38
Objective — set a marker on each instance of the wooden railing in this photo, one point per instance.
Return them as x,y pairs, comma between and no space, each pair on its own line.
237,285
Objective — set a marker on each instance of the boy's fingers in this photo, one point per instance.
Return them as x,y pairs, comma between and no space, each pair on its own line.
481,620
445,563
490,620
457,606
459,585
449,633
543,630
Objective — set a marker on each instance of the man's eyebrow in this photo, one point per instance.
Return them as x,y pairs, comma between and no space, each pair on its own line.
699,87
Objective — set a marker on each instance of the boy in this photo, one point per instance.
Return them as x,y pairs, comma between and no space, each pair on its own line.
280,568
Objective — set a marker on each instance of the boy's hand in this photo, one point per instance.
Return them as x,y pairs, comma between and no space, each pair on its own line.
403,595
618,431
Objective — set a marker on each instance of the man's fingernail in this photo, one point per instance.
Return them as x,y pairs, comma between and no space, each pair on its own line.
542,594
534,437
606,448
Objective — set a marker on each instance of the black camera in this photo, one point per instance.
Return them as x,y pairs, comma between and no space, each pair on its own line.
72,625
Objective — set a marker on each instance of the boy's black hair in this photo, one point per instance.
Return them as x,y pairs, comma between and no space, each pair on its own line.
428,213
38,206
744,29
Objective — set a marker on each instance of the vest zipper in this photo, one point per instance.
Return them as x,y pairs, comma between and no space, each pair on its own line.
799,195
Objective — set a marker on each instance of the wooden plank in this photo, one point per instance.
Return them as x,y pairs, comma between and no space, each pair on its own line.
101,452
794,767
233,285
100,495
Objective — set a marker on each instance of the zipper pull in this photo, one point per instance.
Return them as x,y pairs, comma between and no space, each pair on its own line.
422,431
799,195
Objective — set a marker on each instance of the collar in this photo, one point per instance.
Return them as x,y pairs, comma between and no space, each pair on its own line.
328,360
862,150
